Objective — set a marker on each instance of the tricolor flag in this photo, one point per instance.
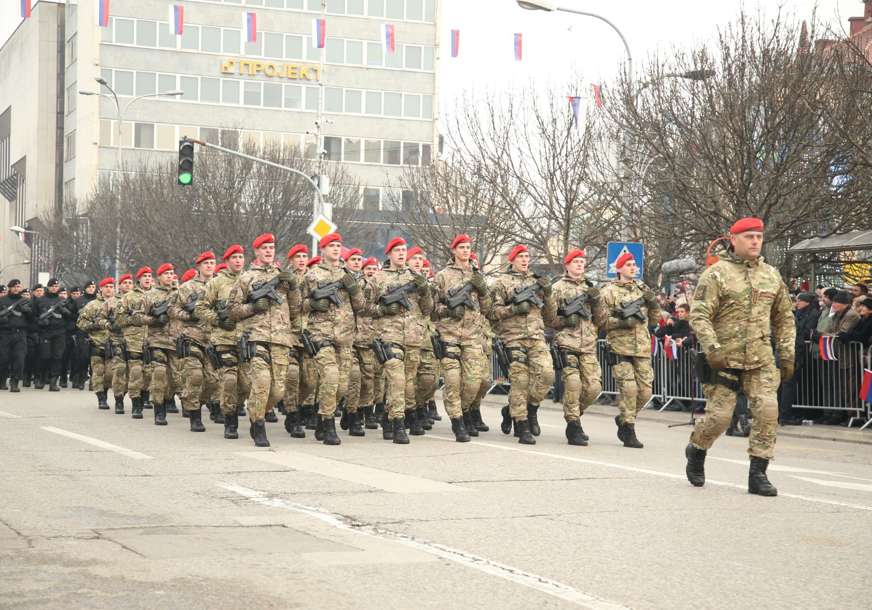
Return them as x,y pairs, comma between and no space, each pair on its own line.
249,26
827,349
389,38
671,348
866,388
25,9
655,346
519,46
103,13
177,19
455,43
319,33
575,104
597,95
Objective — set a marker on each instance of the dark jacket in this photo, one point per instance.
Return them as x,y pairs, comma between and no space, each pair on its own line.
806,323
55,323
18,317
861,332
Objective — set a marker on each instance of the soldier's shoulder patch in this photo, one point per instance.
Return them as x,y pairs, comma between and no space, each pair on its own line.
700,292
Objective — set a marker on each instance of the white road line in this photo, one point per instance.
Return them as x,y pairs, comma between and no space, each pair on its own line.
9,415
781,468
475,562
839,484
136,455
656,473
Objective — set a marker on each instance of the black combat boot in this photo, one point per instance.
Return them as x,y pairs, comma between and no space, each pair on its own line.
477,421
310,416
620,426
196,420
533,419
345,419
146,400
379,412
434,413
13,385
583,433
370,422
297,430
630,439
460,433
231,426
573,434
240,411
328,427
258,433
27,381
271,417
280,405
219,414
423,416
62,382
3,385
522,431
53,384
136,410
356,424
171,406
211,408
758,482
38,382
101,401
387,427
119,405
416,426
319,429
160,414
399,436
695,468
506,424
471,430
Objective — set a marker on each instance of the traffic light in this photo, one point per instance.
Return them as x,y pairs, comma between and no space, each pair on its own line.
186,162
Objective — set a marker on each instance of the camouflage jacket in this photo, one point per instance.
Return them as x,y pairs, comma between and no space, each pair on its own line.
465,330
216,297
134,330
581,338
158,336
298,321
190,325
272,325
736,308
337,323
635,340
365,331
94,319
508,326
408,328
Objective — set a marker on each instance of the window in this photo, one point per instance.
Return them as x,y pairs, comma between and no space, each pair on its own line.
313,53
230,41
335,50
426,159
70,146
374,102
430,11
351,150
392,152
146,33
72,49
394,9
208,134
393,104
69,190
294,4
230,138
413,57
408,200
336,6
332,99
255,48
333,146
143,135
167,82
415,10
353,101
145,82
191,37
123,82
210,90
372,151
254,2
273,45
293,97
211,41
371,197
412,106
106,75
428,59
354,7
313,5
411,153
290,141
354,52
188,84
272,95
105,132
123,31
394,60
70,103
374,54
108,33
126,133
165,38
250,140
312,98
376,8
229,91
293,47
251,94
427,107
166,137
186,131
275,3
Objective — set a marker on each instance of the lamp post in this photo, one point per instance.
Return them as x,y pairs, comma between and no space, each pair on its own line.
120,112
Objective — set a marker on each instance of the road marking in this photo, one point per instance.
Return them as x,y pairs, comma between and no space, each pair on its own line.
839,484
781,468
9,415
96,442
475,562
656,473
353,473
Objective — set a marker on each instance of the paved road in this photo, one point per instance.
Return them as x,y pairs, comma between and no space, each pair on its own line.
100,511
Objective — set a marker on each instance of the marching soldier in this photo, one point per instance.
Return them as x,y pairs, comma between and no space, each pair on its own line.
428,368
570,311
161,345
365,337
357,400
135,336
116,348
33,364
81,357
517,316
14,315
739,303
96,319
51,312
299,363
629,308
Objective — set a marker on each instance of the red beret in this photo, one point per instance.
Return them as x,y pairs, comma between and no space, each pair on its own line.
516,251
573,254
106,281
414,251
393,243
264,238
463,238
142,271
623,259
164,268
208,255
188,275
296,249
329,239
231,250
125,277
370,261
352,252
220,267
313,261
747,224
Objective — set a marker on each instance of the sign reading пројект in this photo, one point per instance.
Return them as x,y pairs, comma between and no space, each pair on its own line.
614,249
253,67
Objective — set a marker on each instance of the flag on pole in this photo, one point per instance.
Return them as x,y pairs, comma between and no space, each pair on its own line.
389,38
575,104
25,9
103,13
177,19
827,348
519,46
671,348
598,95
249,26
866,388
319,33
655,346
455,43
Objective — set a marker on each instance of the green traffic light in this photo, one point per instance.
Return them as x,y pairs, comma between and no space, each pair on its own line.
185,178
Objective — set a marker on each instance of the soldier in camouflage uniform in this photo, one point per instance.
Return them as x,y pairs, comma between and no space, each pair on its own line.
134,337
353,414
295,418
575,339
739,303
331,329
118,360
96,320
265,323
460,331
428,368
629,343
161,344
520,327
372,387
401,331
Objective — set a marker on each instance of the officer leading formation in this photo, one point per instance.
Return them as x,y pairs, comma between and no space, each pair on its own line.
341,336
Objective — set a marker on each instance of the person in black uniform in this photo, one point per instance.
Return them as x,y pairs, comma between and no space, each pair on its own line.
70,338
51,314
14,316
4,368
81,359
32,364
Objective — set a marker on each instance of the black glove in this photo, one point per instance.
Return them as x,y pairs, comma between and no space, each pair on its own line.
572,321
389,310
227,324
350,283
261,305
192,317
289,279
478,282
319,305
456,313
545,284
521,309
162,319
648,294
421,283
593,292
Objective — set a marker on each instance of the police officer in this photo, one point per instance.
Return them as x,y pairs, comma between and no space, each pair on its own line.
96,319
14,314
33,364
739,304
51,313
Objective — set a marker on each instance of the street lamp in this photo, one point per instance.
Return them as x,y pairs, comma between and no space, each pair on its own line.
22,231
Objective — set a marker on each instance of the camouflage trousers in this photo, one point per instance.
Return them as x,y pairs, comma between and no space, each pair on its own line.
361,379
378,382
334,366
193,376
308,381
634,377
161,383
581,384
486,373
135,374
462,368
118,365
427,377
761,387
400,373
292,380
531,374
266,375
232,386
101,375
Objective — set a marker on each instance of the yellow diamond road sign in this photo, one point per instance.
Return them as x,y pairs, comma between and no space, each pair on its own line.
320,227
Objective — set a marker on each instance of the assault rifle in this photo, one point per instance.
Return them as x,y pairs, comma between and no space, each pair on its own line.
160,309
265,290
222,309
461,296
11,310
633,309
328,291
308,344
51,311
398,295
578,305
502,356
191,303
557,356
528,294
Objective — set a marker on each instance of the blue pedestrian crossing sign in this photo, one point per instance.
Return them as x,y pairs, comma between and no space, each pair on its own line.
615,249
